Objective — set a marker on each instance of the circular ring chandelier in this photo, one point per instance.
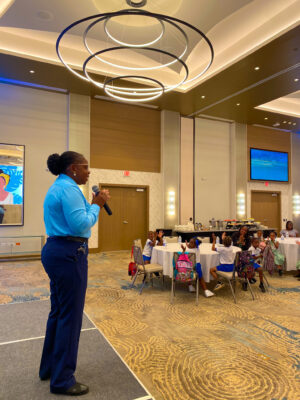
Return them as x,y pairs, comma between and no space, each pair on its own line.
132,86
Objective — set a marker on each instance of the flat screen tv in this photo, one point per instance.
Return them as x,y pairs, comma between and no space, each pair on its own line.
266,165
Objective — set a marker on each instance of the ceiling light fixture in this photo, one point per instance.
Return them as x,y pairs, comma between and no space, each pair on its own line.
256,68
138,87
294,123
284,122
289,122
32,71
202,97
238,104
296,79
266,117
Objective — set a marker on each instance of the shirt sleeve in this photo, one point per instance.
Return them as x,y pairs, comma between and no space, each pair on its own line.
79,217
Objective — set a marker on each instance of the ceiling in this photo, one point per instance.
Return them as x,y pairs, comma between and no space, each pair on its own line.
245,34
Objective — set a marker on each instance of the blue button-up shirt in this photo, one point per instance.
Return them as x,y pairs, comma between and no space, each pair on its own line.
66,211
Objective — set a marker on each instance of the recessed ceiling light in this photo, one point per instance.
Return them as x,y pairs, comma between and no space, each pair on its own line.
294,123
256,68
276,124
289,122
202,97
266,117
284,122
238,104
32,71
296,79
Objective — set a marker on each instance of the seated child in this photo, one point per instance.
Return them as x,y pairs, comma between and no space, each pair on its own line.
260,237
226,258
257,255
150,243
194,244
278,257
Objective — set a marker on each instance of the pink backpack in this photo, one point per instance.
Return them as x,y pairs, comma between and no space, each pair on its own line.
183,269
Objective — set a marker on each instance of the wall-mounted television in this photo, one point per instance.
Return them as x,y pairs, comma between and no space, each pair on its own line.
267,165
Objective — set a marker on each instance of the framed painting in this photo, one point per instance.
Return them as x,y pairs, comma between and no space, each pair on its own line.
12,164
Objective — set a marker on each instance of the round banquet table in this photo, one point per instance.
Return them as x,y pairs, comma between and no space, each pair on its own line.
163,255
291,250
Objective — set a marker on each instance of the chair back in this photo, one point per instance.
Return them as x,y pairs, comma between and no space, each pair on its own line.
244,264
138,242
170,239
137,255
184,270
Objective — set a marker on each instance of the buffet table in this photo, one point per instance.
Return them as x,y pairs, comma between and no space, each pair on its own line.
187,235
163,255
291,250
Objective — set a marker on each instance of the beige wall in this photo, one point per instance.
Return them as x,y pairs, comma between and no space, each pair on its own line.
39,120
79,128
186,170
170,164
212,170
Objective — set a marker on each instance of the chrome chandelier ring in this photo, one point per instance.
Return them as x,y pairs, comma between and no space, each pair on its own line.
138,95
140,47
149,91
107,19
130,91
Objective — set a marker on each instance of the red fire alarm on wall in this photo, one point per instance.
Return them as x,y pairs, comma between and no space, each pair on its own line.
126,173
266,183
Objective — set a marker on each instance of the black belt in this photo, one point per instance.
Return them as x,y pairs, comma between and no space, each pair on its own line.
72,238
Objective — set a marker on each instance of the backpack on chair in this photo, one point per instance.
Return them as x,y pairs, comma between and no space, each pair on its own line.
132,266
183,269
245,266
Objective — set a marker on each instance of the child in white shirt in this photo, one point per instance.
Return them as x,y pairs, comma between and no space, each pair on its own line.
153,240
256,253
226,258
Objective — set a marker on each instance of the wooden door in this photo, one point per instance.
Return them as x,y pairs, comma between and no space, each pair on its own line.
265,207
129,220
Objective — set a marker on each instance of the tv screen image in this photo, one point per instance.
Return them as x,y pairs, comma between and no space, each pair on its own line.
266,165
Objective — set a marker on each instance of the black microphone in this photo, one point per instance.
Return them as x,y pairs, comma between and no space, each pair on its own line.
96,190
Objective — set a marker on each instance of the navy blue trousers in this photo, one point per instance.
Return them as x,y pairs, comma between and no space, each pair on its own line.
66,265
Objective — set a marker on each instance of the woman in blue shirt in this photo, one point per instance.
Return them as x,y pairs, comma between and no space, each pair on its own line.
68,219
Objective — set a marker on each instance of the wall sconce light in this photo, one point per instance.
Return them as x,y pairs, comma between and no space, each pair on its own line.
171,203
296,204
241,205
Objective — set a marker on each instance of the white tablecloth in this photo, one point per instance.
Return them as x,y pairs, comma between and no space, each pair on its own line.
291,250
163,255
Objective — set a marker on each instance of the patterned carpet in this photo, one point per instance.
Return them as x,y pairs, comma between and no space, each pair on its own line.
217,350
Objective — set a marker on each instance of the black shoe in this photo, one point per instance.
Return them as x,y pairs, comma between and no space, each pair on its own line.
45,378
280,272
262,288
244,286
252,280
76,390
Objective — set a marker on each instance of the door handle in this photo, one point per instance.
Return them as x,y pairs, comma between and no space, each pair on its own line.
125,222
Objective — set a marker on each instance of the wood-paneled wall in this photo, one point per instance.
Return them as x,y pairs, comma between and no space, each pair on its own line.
124,137
268,139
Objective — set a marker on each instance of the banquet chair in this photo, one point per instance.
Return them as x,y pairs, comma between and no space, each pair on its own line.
171,239
205,239
229,277
138,242
192,258
232,277
144,269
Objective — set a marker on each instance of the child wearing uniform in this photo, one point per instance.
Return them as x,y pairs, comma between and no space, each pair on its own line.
194,244
257,255
278,257
150,243
226,258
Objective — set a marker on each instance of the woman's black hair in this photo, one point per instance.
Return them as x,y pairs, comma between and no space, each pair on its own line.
57,164
289,222
275,233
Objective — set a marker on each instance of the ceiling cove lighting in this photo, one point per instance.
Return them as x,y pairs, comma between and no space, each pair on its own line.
132,82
